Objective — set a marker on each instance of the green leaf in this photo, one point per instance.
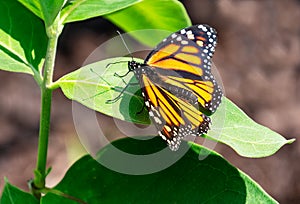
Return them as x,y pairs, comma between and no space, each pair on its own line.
94,84
159,16
230,125
78,10
33,6
13,195
23,40
177,177
234,128
46,10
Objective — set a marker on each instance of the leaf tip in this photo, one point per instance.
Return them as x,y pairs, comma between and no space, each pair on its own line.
290,141
6,180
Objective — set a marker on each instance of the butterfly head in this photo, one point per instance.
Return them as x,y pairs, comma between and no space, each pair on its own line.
132,65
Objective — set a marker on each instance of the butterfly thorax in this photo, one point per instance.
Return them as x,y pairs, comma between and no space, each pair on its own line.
140,69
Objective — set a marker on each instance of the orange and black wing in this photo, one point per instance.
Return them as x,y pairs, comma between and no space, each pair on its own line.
174,117
183,63
179,89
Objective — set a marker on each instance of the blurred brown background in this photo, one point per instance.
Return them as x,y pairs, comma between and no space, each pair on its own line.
258,57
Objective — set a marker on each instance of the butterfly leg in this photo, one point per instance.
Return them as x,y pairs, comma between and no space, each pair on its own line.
111,63
121,76
118,97
121,93
116,74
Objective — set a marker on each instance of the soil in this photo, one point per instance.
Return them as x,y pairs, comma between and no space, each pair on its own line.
258,58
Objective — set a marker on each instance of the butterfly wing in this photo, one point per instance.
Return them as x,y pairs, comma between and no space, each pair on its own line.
174,117
183,60
177,84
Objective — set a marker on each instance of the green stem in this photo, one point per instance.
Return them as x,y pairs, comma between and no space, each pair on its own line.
46,99
40,172
61,194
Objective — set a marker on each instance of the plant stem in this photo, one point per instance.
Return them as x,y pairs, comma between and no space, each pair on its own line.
46,99
40,172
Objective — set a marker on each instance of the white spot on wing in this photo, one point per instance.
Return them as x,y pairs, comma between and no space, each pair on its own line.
157,120
184,42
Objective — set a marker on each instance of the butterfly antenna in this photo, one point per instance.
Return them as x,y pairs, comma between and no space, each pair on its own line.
125,44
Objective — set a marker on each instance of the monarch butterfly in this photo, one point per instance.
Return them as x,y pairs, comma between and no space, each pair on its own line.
178,87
